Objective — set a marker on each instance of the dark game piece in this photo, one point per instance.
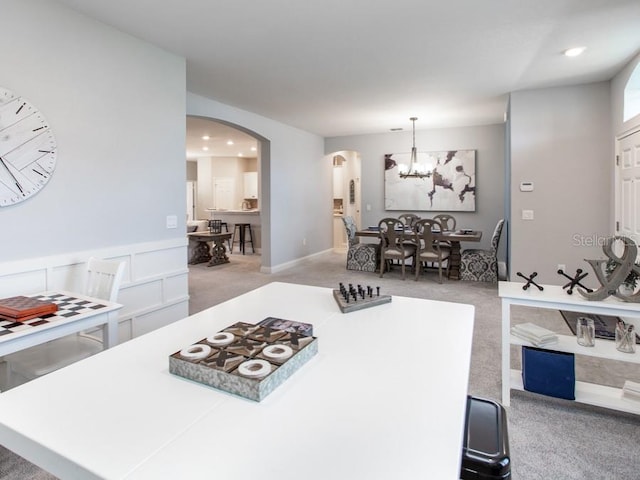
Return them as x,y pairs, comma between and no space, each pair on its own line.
575,281
530,281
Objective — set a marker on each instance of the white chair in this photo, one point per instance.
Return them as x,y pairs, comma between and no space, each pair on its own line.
103,281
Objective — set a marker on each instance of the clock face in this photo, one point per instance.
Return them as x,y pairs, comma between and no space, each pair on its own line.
27,149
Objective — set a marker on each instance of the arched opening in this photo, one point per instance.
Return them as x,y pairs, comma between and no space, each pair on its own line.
227,175
632,95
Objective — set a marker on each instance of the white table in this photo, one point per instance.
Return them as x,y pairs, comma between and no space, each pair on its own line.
384,398
554,297
29,336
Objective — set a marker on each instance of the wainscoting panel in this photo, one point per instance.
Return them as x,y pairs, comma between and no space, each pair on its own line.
154,290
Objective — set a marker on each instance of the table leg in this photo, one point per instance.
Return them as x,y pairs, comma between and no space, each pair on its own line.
454,261
200,252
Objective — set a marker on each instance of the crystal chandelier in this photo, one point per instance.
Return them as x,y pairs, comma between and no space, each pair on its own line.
415,169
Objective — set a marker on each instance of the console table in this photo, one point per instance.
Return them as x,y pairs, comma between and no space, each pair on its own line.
555,298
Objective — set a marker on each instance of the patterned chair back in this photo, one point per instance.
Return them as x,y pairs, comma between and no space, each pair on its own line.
495,239
350,226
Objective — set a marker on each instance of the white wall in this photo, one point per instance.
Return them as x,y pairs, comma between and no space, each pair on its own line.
488,141
560,140
117,108
295,184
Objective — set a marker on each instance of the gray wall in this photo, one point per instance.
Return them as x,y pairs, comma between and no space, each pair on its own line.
117,108
488,141
560,140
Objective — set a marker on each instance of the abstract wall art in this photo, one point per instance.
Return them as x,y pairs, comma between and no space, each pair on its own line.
447,183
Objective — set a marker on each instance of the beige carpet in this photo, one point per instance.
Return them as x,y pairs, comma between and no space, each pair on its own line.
550,439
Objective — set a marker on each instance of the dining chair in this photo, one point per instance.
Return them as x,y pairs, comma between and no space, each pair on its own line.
408,218
395,244
482,265
360,256
428,250
103,278
448,222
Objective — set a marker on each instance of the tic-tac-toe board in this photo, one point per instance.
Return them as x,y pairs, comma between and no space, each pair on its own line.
68,306
245,359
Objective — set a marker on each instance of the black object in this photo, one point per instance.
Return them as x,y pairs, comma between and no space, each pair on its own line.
530,281
485,449
575,280
549,372
241,229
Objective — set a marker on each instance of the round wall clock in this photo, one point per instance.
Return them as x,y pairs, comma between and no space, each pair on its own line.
27,149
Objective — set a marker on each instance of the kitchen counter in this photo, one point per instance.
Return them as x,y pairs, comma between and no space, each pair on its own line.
231,217
254,211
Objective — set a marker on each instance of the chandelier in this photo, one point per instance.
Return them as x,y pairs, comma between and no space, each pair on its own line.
415,169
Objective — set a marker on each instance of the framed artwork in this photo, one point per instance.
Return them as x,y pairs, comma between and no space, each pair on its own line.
352,192
447,182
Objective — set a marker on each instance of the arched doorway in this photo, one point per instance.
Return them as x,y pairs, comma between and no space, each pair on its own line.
223,157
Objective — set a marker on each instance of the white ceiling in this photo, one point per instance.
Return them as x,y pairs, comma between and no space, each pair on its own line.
219,134
342,67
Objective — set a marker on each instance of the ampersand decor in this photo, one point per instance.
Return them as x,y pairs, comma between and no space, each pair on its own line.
624,266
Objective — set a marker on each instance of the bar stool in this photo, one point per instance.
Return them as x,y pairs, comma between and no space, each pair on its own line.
241,229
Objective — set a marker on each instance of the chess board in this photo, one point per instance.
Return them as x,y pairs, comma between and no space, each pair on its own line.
359,303
68,306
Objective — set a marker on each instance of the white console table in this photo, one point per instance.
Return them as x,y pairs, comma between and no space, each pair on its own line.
554,297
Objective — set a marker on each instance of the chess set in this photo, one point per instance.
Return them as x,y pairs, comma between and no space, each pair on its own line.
354,298
246,359
66,306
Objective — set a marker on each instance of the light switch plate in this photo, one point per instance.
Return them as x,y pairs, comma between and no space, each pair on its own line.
527,214
172,221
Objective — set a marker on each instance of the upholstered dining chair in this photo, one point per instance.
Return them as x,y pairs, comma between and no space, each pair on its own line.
395,244
448,222
428,250
482,265
102,281
360,256
408,218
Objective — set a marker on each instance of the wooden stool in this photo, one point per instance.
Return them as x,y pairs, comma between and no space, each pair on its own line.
241,229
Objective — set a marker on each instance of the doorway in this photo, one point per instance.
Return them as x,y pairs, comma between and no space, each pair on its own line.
347,194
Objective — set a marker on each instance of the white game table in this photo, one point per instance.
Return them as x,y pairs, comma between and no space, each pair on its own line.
384,398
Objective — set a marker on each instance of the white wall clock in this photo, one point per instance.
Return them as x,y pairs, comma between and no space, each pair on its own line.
27,149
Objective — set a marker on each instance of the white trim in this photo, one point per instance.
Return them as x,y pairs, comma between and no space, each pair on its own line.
294,263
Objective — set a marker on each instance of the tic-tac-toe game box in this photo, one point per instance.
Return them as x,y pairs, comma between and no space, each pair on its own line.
245,359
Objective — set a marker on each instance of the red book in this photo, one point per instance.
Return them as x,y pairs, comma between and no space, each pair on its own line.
22,308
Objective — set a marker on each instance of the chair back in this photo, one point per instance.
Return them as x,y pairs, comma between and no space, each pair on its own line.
391,232
423,231
104,278
447,221
350,226
495,239
408,218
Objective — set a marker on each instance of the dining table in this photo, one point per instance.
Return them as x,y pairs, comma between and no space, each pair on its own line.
384,397
453,237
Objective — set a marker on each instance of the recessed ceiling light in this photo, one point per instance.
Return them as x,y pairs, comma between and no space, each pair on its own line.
205,148
253,149
206,137
240,154
229,142
574,52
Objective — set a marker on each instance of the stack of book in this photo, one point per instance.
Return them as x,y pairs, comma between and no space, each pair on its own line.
534,334
20,309
631,390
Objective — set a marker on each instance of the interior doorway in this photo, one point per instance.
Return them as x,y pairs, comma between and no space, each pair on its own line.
347,193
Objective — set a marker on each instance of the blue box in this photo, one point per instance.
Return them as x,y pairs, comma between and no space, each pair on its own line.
549,372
